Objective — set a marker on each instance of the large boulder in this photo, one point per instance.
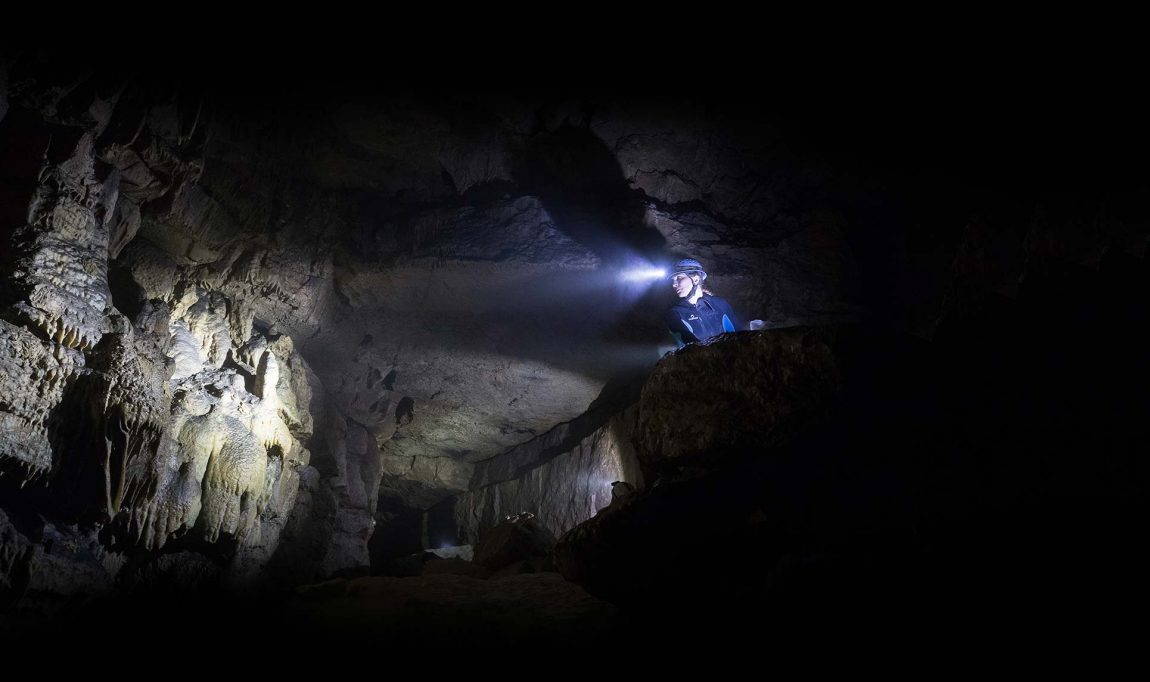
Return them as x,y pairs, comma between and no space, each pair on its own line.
738,395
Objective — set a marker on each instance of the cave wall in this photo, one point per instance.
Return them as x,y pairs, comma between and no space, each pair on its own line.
142,400
404,295
560,479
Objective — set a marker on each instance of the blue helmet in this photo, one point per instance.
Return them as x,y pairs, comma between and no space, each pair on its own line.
688,265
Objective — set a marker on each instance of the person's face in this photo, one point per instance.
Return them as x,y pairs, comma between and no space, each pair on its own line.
683,284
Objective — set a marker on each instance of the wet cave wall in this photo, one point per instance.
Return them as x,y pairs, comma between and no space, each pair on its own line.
257,335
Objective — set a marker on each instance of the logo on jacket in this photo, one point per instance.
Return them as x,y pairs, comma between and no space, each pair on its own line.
694,317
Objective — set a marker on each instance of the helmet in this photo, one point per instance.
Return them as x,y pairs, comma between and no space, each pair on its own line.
688,265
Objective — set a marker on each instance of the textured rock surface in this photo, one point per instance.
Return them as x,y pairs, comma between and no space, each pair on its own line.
33,378
684,154
227,459
56,568
914,476
54,270
736,395
228,321
489,291
560,489
58,266
714,421
560,478
516,539
351,449
164,414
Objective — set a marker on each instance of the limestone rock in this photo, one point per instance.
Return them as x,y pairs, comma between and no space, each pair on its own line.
479,312
516,538
774,384
34,377
48,571
58,279
351,457
693,155
560,489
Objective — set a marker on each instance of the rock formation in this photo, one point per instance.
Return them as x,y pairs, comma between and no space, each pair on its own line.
258,334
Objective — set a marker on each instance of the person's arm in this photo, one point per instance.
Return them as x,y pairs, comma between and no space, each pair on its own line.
680,330
736,321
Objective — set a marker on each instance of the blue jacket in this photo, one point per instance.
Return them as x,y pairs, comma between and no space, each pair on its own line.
709,317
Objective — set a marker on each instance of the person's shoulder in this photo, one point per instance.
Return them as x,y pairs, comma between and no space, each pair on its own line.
720,303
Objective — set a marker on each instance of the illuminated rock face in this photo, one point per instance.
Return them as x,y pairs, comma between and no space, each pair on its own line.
228,462
559,478
471,344
59,265
55,294
33,377
181,420
184,441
